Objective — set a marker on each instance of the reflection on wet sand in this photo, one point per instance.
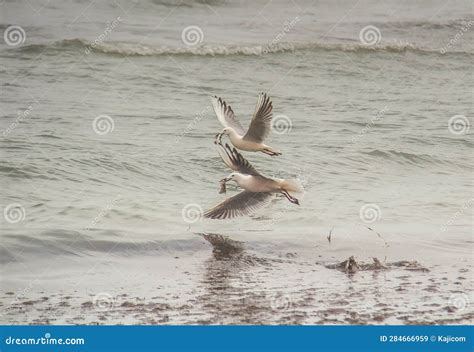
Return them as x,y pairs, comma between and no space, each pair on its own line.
241,288
233,292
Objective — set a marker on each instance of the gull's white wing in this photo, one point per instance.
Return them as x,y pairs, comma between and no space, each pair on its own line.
226,116
261,121
234,160
243,203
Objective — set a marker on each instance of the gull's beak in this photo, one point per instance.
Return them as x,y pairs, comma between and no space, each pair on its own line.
225,179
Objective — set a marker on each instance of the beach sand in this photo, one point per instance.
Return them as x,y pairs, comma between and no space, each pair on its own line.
218,280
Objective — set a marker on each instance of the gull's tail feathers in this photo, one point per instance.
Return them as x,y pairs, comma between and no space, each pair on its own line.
293,186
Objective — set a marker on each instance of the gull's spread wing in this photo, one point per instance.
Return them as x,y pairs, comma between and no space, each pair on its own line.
235,161
243,203
225,115
261,121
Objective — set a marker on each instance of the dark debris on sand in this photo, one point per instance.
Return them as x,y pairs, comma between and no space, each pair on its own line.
350,265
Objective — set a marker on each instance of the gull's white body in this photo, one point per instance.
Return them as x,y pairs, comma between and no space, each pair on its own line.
257,183
249,146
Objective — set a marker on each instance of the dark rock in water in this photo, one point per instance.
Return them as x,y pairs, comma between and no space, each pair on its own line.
348,266
376,265
351,265
410,265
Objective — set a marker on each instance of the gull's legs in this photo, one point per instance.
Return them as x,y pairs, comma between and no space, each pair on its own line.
290,198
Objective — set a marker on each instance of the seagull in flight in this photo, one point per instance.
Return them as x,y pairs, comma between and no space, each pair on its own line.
258,189
259,128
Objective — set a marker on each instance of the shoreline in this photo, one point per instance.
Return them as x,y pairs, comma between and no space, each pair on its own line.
229,283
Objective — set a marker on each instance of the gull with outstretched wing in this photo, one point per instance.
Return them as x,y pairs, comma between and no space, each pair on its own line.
260,125
257,188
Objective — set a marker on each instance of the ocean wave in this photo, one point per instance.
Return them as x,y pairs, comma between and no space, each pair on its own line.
65,242
133,49
22,172
58,242
406,157
433,25
186,3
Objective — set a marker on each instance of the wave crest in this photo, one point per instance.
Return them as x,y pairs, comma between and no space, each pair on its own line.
132,49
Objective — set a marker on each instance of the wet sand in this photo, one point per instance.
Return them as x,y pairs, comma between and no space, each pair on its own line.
225,282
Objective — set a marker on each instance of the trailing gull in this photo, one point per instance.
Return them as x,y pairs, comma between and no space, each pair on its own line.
258,189
259,128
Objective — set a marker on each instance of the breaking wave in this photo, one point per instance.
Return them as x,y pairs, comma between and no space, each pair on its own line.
133,49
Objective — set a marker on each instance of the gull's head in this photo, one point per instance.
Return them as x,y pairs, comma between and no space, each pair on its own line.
231,177
227,130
